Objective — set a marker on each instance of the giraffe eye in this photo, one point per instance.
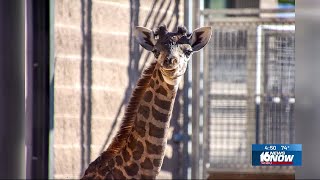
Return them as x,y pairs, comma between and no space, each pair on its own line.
188,52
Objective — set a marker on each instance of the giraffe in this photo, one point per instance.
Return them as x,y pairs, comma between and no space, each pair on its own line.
137,151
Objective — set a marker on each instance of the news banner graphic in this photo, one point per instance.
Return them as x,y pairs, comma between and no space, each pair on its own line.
276,154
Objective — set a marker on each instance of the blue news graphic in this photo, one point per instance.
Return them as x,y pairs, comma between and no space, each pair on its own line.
276,154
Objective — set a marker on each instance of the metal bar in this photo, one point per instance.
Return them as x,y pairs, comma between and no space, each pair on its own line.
195,98
258,82
51,106
201,98
206,90
257,109
12,96
187,123
29,85
245,11
41,89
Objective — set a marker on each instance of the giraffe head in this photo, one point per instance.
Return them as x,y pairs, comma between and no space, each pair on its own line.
172,50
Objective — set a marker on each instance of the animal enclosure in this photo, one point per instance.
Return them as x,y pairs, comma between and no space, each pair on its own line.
248,88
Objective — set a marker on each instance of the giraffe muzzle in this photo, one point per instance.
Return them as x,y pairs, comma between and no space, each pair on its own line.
170,63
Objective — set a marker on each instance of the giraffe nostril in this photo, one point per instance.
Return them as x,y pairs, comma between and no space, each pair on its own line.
174,61
170,61
167,61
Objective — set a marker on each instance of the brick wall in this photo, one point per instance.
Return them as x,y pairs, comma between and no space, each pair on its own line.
97,63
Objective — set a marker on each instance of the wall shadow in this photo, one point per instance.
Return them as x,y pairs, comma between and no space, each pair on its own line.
133,74
86,82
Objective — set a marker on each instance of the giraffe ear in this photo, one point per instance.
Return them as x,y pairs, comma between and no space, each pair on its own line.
145,37
200,37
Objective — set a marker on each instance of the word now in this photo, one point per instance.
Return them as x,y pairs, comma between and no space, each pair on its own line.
275,158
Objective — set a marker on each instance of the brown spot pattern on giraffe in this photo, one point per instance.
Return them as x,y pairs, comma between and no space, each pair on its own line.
154,75
140,127
148,96
166,105
111,163
153,148
103,170
132,142
132,169
139,151
155,131
159,116
171,87
144,110
125,155
147,164
162,91
119,160
104,157
152,83
117,174
108,176
160,75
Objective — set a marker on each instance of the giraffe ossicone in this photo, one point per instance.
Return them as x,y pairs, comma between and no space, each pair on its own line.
137,151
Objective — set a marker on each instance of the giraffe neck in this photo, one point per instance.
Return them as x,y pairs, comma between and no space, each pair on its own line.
142,154
142,157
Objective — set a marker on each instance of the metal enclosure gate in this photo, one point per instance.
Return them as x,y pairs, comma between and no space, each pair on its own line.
248,88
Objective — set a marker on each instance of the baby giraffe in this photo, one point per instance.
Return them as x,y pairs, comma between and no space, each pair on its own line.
137,151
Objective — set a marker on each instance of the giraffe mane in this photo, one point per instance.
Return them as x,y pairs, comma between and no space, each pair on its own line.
126,126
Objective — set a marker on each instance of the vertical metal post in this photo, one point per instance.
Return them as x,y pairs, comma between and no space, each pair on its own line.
201,96
258,82
187,123
29,86
41,91
195,98
51,80
206,102
12,107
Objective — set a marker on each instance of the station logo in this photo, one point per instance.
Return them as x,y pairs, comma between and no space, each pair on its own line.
276,154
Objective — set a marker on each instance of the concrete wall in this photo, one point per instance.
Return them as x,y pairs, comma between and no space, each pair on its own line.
97,63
